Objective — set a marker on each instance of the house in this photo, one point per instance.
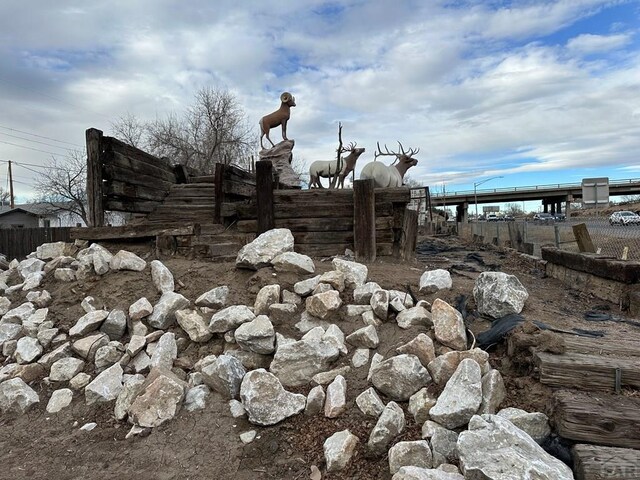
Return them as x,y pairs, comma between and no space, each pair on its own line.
33,215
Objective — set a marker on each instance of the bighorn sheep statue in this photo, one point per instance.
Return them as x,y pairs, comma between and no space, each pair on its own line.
279,117
330,168
389,176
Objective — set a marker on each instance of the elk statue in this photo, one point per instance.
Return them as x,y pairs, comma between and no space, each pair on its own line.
330,168
279,117
389,176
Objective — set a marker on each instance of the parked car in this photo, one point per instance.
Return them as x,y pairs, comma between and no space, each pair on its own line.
543,218
492,217
560,217
624,217
508,218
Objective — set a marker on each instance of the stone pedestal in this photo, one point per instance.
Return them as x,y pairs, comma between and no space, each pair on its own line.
281,156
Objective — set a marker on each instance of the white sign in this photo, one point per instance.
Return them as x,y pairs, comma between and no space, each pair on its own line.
595,192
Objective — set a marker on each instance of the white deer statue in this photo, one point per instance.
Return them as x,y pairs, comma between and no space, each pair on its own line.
389,176
330,168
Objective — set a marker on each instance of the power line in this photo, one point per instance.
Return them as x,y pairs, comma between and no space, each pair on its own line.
40,136
21,164
30,148
35,141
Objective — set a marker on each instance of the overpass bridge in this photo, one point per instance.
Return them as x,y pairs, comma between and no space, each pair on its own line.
552,196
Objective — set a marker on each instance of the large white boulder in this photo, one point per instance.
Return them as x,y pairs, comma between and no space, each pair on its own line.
498,294
16,396
400,377
461,397
296,363
267,246
265,399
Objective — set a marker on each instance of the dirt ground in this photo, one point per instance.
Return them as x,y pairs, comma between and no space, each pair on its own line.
205,444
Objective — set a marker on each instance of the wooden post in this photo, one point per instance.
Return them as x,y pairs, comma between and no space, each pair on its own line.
218,181
364,220
556,234
264,195
409,234
12,203
583,238
94,177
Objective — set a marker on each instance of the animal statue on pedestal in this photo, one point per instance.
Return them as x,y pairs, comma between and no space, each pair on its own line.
330,168
279,117
389,176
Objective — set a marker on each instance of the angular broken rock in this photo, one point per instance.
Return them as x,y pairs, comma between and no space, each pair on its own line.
305,287
293,262
258,335
366,337
461,397
59,399
400,377
163,315
324,304
380,303
108,355
100,257
442,367
105,387
355,274
16,396
324,378
115,324
315,401
419,473
268,295
420,404
493,392
162,277
88,322
166,352
194,325
335,336
369,403
495,448
282,312
9,331
230,318
160,401
139,309
29,266
19,314
28,349
49,251
334,278
88,346
443,446
404,454
265,399
124,260
422,347
412,317
308,322
136,344
362,294
64,274
296,363
433,280
448,325
336,400
535,424
498,294
267,246
389,425
224,375
338,450
360,357
130,390
39,299
196,398
214,298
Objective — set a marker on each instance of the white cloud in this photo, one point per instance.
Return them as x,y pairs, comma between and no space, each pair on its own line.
588,43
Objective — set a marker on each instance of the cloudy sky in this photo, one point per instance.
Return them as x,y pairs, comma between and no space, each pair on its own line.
537,92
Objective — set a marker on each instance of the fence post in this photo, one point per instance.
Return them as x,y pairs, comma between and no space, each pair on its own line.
585,244
524,232
364,220
264,195
94,177
409,234
497,234
556,233
218,182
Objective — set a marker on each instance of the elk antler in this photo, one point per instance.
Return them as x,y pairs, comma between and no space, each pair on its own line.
380,153
411,153
351,147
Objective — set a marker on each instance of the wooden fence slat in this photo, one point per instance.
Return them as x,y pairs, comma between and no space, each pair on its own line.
364,220
264,195
94,177
20,242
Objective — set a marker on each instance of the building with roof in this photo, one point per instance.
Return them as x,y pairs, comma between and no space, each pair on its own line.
33,215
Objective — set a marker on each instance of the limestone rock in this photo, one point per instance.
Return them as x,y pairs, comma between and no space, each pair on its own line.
495,448
80,381
442,367
308,322
105,387
360,358
28,349
100,258
162,277
280,313
419,473
108,355
498,294
267,296
493,392
362,294
406,299
139,309
20,314
366,337
335,336
257,335
64,274
59,399
130,390
380,303
49,251
422,347
160,401
141,362
443,446
88,346
135,345
29,266
164,311
39,299
5,303
403,454
230,318
535,424
461,397
400,377
355,274
196,398
194,325
420,404
293,262
338,450
369,403
305,287
214,298
415,316
90,304
250,360
236,408
433,280
323,305
166,352
265,399
224,375
336,400
9,331
267,246
315,401
324,378
32,281
334,278
88,323
296,363
291,298
375,361
390,424
448,325
16,396
115,324
124,260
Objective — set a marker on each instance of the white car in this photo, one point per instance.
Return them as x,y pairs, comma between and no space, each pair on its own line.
624,217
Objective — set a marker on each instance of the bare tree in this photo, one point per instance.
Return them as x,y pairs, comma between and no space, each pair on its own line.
214,129
4,197
63,186
514,209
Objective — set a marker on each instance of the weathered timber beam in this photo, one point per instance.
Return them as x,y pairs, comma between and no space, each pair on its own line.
130,231
619,270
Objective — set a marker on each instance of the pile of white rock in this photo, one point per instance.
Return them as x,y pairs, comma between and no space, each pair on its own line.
133,358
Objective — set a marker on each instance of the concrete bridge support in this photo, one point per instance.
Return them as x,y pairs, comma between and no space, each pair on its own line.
462,213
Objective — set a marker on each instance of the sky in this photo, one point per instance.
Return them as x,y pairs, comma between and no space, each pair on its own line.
534,92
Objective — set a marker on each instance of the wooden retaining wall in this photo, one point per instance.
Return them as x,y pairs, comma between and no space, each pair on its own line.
20,242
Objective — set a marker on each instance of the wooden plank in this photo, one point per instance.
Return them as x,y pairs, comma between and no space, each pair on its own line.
121,189
94,177
130,231
237,174
606,267
328,250
143,168
121,205
409,237
395,195
315,195
219,193
605,419
578,370
345,237
264,196
126,175
364,220
585,244
116,146
595,462
627,346
239,189
315,224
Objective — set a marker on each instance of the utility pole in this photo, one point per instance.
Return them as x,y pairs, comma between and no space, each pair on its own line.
12,203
